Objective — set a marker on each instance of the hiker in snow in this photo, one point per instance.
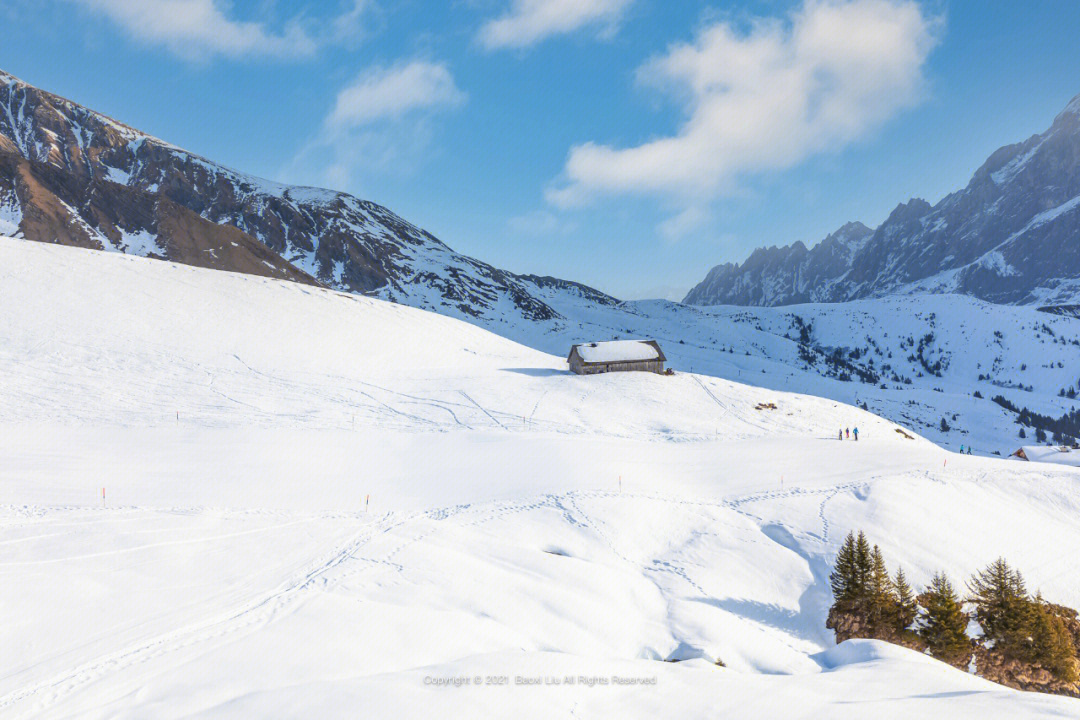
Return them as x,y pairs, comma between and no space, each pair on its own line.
841,433
847,433
961,449
855,432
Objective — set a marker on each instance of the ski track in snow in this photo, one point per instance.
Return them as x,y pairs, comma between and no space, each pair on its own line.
257,611
252,613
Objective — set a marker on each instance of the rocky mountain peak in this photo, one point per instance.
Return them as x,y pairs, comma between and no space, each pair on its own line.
1008,237
913,209
853,230
1073,108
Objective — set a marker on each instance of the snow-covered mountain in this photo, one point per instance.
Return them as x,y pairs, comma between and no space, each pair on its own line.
915,359
72,176
1011,236
323,505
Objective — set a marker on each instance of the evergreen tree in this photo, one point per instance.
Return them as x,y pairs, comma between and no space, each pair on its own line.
881,586
1052,645
881,604
843,577
944,624
944,425
864,566
1002,606
906,606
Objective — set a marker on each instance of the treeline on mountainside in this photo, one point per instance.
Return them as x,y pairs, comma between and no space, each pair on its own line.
1065,429
1000,631
848,364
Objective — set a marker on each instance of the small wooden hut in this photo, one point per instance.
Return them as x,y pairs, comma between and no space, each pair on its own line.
616,356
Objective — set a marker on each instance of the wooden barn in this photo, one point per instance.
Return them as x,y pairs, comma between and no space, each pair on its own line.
616,356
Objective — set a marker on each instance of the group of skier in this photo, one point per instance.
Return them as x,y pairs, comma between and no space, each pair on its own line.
851,433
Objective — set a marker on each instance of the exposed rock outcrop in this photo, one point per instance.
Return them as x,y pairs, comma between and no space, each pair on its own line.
1020,675
849,624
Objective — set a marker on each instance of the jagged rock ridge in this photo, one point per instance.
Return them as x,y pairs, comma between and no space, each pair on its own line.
1011,236
70,175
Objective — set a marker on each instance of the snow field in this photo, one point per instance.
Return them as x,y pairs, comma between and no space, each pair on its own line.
1025,355
236,569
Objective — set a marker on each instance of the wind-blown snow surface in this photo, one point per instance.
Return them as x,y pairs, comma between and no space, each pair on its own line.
523,522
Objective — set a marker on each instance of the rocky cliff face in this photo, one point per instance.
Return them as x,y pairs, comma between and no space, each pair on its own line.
72,176
782,276
1011,236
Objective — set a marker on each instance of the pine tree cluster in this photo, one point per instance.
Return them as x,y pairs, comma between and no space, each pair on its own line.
1015,625
863,587
1021,626
1064,429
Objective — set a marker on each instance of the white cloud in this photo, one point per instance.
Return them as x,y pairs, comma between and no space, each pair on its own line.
199,29
683,223
381,124
352,24
762,99
351,160
387,93
527,22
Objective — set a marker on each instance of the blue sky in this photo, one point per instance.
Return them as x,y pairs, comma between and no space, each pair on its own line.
627,144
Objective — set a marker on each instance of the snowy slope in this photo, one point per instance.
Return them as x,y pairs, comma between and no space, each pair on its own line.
73,176
298,357
523,522
873,352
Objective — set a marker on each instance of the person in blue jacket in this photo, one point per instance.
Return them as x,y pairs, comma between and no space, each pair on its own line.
855,432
